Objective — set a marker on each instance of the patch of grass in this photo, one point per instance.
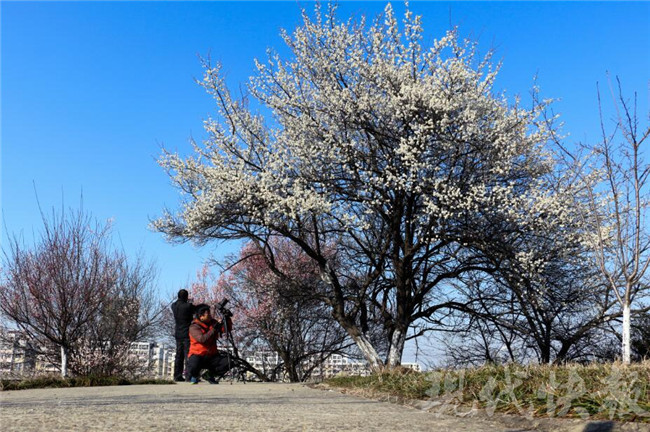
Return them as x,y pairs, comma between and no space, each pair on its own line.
81,381
611,391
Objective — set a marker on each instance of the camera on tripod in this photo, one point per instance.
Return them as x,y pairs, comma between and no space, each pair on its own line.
221,307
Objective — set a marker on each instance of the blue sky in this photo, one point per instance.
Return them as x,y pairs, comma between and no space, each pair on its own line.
91,91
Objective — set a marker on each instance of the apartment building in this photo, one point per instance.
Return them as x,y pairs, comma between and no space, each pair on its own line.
413,366
16,356
157,360
18,359
162,361
266,361
341,364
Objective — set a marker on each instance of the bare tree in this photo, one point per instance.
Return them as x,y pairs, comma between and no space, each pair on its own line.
618,193
72,292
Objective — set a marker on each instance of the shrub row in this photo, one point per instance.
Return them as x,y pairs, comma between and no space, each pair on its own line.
80,381
611,391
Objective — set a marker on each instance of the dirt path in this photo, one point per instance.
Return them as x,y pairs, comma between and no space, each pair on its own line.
237,407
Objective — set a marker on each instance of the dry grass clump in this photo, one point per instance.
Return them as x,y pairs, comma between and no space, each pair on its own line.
596,391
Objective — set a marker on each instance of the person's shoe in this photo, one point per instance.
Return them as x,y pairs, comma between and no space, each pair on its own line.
194,380
179,379
213,380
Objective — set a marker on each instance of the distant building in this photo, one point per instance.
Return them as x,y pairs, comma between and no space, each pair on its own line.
162,362
43,365
16,356
157,360
142,352
268,361
414,366
264,361
337,364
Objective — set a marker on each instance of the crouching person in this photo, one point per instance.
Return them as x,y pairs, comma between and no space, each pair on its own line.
203,354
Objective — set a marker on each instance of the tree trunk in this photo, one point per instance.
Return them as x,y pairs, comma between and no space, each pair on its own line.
626,333
396,348
328,275
262,376
545,351
290,367
294,377
367,350
64,362
562,353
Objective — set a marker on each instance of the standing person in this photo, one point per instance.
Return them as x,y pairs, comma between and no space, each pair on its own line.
204,333
183,314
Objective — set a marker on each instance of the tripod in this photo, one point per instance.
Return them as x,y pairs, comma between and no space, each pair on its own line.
229,337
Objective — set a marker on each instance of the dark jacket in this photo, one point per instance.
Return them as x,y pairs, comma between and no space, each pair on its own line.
183,315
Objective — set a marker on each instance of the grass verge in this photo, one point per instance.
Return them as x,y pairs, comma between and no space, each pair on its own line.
84,381
603,392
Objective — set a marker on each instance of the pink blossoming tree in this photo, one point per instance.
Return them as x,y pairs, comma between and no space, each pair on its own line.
275,309
79,302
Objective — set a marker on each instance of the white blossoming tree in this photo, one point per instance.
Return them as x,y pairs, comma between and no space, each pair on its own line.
392,150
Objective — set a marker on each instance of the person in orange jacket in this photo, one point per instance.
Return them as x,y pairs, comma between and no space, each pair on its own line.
203,354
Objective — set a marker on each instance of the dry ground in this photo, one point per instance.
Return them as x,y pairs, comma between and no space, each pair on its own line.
242,407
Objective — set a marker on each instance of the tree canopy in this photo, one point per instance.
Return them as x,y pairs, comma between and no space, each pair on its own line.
401,154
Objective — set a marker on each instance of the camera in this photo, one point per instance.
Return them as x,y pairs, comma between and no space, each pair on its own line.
221,307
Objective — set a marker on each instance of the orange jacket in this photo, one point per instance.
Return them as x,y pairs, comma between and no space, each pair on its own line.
203,337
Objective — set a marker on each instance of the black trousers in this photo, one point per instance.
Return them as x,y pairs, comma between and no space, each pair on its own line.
217,365
182,348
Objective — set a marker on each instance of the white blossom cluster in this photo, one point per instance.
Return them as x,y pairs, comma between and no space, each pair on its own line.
364,118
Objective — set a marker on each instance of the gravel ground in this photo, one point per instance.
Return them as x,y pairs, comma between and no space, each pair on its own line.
235,407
